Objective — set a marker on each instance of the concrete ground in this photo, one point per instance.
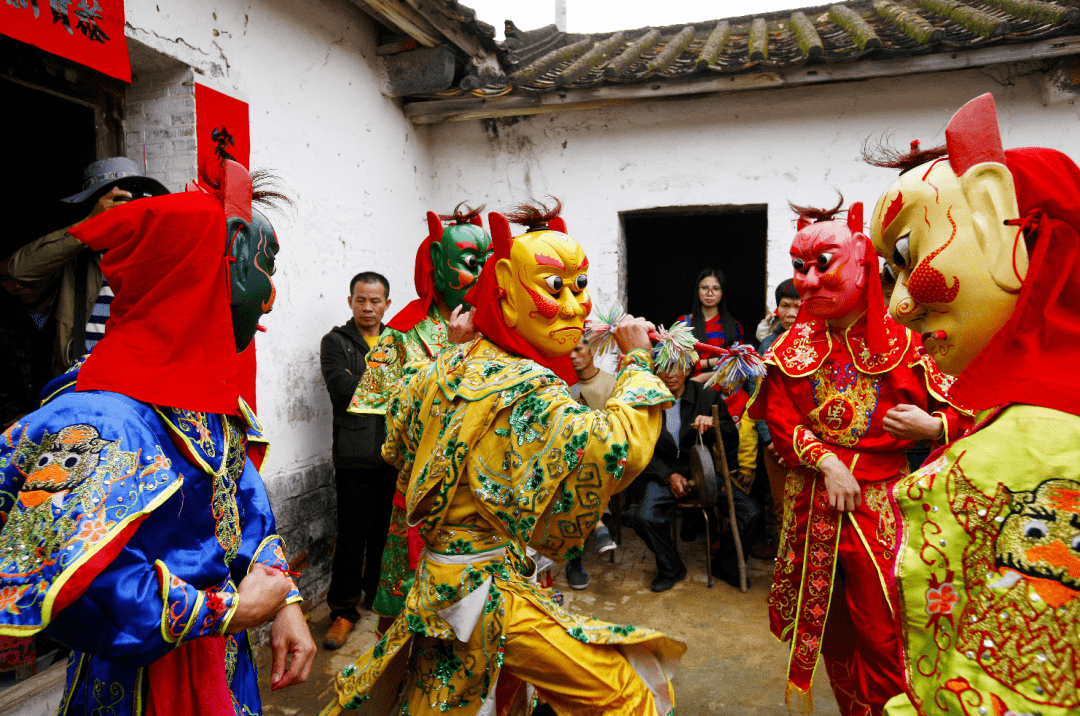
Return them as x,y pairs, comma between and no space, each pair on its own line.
732,664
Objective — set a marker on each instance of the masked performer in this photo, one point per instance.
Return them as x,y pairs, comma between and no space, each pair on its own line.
986,246
847,392
495,455
137,530
448,263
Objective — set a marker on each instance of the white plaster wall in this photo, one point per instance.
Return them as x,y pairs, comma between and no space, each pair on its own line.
761,147
347,157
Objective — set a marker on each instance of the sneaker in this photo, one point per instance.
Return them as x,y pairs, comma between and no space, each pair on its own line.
575,574
604,543
338,634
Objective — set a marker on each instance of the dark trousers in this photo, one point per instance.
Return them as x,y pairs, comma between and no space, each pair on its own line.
364,501
651,519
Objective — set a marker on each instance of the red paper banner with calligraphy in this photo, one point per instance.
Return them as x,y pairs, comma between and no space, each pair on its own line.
90,32
221,132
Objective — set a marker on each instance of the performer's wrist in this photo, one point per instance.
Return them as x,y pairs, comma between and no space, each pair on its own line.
640,357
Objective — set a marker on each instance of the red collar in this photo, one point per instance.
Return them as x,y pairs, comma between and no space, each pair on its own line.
802,349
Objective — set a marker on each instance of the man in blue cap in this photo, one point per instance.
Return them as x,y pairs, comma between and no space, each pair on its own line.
35,267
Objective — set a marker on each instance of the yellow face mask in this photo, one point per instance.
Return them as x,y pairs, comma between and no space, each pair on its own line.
944,237
544,295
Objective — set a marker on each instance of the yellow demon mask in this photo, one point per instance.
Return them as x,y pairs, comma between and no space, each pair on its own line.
942,230
542,286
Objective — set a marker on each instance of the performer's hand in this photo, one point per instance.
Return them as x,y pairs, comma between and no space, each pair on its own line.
678,485
290,637
460,326
910,422
844,492
260,595
702,377
775,454
703,423
633,333
115,197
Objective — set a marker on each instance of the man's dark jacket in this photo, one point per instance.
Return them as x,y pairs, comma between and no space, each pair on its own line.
358,439
669,457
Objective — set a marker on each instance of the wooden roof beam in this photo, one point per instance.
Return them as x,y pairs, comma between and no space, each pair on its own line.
396,14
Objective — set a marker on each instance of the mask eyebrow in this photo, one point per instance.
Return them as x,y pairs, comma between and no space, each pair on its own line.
549,261
584,263
467,245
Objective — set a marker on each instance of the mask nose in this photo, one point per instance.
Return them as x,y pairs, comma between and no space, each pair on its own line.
571,307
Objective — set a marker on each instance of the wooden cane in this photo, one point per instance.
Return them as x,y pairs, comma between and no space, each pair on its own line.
730,499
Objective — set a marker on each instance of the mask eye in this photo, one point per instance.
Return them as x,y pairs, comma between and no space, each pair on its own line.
555,283
901,254
1035,529
71,461
581,281
470,261
799,264
44,460
823,260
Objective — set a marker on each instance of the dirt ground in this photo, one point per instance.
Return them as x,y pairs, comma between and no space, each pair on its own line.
732,664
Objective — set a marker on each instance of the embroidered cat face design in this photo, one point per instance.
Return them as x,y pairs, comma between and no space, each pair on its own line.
64,461
1040,536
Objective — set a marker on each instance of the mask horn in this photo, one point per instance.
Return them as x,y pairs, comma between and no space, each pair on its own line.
972,135
854,218
477,221
558,224
434,226
236,190
802,222
501,239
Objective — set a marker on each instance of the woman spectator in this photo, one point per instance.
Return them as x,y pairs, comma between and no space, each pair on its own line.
711,320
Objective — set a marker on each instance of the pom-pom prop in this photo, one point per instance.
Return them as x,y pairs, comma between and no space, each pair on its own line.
741,362
598,331
676,347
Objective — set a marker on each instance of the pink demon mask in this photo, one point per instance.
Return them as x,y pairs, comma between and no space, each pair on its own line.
836,272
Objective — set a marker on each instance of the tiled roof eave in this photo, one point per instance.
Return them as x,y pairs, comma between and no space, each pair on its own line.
479,105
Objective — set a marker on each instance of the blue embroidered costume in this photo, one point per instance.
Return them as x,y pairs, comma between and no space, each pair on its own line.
139,520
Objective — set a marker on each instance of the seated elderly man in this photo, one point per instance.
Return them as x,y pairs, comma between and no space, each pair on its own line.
664,481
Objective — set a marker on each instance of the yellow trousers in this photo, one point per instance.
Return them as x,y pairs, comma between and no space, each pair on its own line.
576,679
748,440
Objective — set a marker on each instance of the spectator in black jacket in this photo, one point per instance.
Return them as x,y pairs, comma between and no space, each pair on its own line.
365,483
664,479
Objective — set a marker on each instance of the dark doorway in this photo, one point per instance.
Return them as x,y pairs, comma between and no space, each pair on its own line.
667,248
58,117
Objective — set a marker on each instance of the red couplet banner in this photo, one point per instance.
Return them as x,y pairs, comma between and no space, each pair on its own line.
221,126
221,132
90,32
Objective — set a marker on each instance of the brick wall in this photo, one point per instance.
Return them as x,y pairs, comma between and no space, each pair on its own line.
159,125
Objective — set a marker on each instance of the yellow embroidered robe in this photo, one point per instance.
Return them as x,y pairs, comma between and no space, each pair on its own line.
536,468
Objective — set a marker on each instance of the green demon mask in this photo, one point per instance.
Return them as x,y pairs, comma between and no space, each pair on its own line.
252,246
457,258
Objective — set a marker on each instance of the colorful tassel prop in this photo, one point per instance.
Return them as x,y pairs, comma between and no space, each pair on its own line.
740,363
674,349
598,331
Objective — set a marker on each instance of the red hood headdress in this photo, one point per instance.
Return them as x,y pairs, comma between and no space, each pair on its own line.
484,296
1033,358
169,338
424,277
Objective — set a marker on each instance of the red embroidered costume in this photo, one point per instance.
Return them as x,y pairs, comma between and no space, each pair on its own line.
826,394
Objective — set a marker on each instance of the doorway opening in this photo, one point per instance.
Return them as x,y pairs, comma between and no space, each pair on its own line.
666,249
